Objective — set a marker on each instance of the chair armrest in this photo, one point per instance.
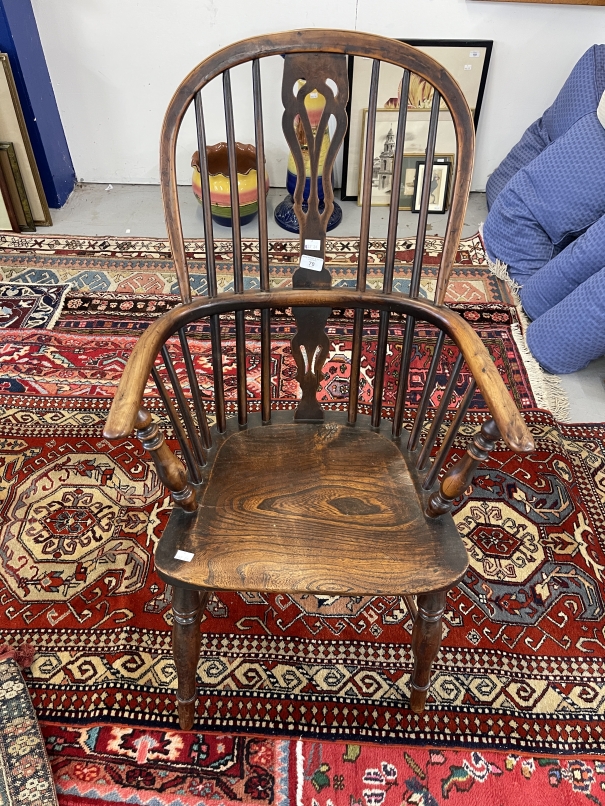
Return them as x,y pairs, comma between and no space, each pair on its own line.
502,407
130,392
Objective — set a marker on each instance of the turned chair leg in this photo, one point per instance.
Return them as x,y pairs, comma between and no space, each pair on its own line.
187,607
426,640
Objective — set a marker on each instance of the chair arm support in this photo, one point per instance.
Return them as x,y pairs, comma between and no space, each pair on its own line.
458,477
129,395
171,472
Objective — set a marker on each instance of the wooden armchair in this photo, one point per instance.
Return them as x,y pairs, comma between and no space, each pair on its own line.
330,502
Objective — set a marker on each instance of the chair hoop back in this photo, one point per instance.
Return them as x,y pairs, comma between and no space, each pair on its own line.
320,55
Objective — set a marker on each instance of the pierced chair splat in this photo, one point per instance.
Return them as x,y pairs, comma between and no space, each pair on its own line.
331,499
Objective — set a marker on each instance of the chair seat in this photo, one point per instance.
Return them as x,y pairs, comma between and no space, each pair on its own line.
321,508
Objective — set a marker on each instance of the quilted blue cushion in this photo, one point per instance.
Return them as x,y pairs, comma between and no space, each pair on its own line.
580,94
551,201
534,141
564,273
570,335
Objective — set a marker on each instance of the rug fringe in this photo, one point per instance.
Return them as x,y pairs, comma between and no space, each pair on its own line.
548,389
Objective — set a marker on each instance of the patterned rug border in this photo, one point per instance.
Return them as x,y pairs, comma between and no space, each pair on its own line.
284,249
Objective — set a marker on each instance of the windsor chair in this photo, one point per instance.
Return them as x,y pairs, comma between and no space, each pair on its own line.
325,501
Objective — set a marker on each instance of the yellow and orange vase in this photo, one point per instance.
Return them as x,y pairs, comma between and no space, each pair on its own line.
220,186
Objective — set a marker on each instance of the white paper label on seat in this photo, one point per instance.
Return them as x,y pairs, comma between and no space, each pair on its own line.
313,263
312,244
186,556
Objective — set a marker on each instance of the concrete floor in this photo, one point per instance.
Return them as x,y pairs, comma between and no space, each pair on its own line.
136,211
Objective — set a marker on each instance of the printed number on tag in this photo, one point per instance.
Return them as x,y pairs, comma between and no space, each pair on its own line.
312,244
313,263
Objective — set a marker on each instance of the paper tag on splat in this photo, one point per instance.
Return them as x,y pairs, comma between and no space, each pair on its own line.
312,245
313,263
186,556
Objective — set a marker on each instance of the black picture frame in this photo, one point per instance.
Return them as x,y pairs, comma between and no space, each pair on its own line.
446,166
471,44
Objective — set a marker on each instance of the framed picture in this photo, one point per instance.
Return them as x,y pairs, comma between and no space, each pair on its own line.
416,132
8,217
13,130
466,59
440,185
9,167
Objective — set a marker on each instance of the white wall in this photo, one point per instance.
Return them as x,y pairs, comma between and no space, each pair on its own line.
114,65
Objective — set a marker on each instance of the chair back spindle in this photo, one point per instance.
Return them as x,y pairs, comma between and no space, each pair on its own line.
364,241
309,71
263,242
448,441
212,290
238,274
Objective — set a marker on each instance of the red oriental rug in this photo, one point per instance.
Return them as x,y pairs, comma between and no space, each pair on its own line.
516,709
118,286
522,660
119,764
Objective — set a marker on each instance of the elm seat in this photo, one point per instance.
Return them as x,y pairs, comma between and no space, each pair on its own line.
338,501
344,493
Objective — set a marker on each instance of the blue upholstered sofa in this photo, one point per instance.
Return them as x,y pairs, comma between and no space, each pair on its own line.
546,221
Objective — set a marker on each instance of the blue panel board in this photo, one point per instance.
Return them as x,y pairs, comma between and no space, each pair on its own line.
19,38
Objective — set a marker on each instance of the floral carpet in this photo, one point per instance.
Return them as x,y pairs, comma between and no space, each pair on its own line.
121,764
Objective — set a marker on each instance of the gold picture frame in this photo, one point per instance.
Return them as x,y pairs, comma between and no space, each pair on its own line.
8,216
561,2
13,130
9,167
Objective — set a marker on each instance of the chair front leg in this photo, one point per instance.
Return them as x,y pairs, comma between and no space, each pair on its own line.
187,608
426,640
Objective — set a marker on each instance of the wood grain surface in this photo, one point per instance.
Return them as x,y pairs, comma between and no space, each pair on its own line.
315,508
